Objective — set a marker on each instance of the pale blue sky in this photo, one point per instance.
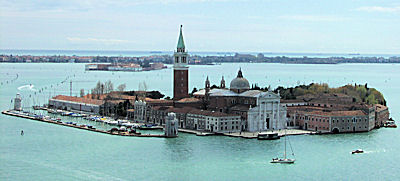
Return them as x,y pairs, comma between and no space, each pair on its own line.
340,26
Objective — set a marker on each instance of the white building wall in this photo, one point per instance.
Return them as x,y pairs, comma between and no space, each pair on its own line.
268,108
140,111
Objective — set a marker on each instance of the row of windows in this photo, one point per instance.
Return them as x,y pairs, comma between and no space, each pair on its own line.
225,128
226,123
349,127
323,127
348,120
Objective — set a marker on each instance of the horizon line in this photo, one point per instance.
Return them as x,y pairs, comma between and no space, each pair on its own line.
249,52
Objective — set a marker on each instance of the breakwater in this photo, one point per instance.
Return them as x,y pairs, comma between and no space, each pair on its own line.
84,127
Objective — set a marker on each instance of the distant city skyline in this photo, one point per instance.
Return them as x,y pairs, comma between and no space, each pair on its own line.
352,26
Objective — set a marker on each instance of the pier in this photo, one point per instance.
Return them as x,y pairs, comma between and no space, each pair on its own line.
84,127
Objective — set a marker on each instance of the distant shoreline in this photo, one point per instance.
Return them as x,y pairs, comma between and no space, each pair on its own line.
194,59
33,52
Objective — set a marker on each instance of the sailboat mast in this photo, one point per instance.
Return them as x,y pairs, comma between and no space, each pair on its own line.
285,146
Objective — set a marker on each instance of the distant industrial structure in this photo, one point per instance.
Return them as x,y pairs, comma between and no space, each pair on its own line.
130,67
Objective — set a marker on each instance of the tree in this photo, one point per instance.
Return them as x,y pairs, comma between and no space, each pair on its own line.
82,92
108,86
155,95
194,90
121,87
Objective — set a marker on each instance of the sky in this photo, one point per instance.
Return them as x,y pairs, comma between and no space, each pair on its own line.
299,26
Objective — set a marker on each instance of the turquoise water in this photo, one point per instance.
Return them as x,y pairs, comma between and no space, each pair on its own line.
52,152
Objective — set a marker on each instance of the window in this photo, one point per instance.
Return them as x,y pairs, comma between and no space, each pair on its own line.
183,59
176,59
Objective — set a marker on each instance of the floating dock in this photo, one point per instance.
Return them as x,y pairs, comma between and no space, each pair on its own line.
83,126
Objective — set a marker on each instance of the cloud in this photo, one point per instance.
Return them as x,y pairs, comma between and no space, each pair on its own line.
379,9
95,40
313,18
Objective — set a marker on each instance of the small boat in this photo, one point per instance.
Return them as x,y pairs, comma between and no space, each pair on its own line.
267,136
148,127
285,160
51,111
390,124
357,151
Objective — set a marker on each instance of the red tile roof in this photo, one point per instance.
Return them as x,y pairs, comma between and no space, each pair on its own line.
78,99
339,113
210,113
379,107
187,100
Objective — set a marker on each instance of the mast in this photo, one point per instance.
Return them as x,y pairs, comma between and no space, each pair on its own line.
284,155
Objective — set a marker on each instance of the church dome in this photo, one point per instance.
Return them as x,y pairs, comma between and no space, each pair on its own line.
240,82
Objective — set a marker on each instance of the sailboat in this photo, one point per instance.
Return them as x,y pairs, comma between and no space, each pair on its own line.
285,159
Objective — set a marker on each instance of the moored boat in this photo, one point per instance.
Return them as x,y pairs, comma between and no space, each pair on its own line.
267,136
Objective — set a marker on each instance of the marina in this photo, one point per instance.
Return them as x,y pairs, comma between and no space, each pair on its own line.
74,125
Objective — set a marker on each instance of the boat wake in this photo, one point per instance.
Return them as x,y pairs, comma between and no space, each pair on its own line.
27,87
374,151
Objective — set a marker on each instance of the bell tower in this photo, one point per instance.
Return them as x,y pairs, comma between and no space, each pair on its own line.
181,70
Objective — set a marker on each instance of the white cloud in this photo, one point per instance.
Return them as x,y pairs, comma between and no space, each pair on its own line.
379,9
312,18
95,40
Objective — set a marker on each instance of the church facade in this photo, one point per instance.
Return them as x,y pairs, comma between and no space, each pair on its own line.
259,111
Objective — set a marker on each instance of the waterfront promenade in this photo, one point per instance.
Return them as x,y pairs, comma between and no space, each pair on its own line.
247,135
118,133
282,132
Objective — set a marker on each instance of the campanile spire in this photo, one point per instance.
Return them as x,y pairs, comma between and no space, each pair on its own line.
181,69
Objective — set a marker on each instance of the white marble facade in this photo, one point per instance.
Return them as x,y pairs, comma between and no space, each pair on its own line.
269,114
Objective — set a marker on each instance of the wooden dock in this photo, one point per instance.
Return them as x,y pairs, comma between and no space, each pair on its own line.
84,127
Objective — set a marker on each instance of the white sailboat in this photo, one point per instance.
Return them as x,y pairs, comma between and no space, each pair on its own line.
285,159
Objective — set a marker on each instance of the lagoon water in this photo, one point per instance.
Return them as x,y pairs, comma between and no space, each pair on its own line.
53,152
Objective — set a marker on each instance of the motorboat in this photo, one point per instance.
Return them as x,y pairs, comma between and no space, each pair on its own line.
357,151
267,136
390,124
